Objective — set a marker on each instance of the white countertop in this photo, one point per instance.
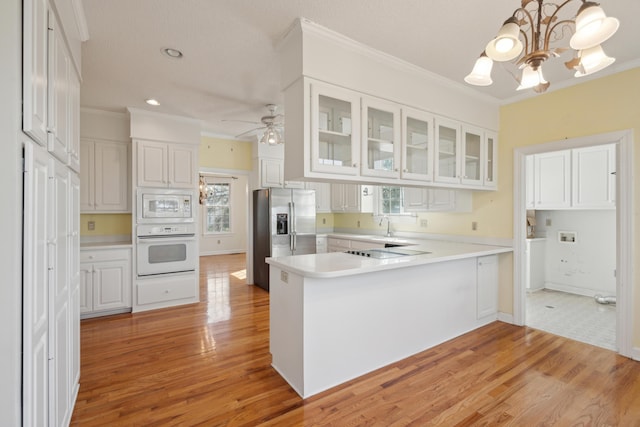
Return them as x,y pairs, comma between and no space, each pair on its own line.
338,264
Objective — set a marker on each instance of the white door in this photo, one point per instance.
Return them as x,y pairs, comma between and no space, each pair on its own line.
87,175
593,177
152,164
110,285
487,286
182,166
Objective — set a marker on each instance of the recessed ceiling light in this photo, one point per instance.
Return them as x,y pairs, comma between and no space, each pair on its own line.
152,101
172,53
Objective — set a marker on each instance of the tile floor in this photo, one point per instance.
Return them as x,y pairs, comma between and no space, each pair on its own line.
572,316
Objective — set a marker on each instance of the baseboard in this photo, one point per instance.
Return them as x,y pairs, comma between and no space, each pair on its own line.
635,353
505,317
225,252
576,290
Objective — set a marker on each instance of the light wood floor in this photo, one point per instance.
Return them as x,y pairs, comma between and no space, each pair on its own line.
209,364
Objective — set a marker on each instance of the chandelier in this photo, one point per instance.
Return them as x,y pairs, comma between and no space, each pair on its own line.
527,38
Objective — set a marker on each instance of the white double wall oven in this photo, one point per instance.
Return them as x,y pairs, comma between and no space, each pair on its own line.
166,239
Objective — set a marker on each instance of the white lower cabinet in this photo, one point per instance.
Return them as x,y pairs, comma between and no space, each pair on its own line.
105,281
165,291
487,299
321,244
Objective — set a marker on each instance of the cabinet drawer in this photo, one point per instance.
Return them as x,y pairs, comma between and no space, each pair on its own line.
92,255
339,243
166,289
357,244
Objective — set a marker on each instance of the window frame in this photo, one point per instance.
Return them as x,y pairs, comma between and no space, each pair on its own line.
206,206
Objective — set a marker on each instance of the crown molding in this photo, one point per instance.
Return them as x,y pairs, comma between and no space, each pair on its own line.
98,111
81,19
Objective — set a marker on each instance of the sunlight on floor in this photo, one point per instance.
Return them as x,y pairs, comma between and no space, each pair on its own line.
240,274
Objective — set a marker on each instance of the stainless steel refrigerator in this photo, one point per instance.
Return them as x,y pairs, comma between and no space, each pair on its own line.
284,223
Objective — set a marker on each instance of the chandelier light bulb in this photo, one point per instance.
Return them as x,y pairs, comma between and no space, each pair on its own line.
531,78
507,45
592,27
593,60
481,73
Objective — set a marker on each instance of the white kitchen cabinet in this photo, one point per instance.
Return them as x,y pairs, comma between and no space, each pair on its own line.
323,195
104,176
490,172
335,130
35,66
271,173
487,286
552,174
351,198
74,121
535,264
447,147
58,97
105,286
472,156
74,280
417,145
593,177
321,244
380,146
529,165
161,164
420,199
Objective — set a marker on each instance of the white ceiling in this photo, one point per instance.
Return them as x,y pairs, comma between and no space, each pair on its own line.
230,68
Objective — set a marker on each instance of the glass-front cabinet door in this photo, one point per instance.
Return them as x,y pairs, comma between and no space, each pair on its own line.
380,138
472,156
335,129
447,148
417,145
491,160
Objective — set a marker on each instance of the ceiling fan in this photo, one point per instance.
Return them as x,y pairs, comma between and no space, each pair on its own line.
272,125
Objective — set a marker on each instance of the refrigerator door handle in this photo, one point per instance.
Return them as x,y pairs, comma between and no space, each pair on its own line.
292,234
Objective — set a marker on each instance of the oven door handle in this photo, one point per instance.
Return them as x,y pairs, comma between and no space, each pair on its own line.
173,238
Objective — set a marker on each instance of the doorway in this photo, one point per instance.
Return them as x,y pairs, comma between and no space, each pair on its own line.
623,235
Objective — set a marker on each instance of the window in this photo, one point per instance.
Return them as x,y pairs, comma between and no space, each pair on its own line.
218,208
391,200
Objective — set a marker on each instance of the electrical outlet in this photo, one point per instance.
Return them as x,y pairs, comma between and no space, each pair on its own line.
424,223
474,226
284,276
91,225
358,223
324,220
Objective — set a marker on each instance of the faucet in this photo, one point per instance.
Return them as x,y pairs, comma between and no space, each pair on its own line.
388,225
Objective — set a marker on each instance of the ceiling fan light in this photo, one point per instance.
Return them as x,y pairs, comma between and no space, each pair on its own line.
592,60
592,27
507,45
531,78
481,73
271,136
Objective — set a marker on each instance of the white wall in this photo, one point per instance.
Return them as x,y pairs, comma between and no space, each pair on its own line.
236,241
587,266
11,212
104,125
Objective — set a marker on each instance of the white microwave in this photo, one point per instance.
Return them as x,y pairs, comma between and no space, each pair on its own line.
157,205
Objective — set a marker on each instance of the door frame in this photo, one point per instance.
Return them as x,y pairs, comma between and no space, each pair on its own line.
624,227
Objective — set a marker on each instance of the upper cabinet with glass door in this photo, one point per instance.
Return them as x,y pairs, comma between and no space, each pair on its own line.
417,145
491,160
380,138
472,156
335,125
447,148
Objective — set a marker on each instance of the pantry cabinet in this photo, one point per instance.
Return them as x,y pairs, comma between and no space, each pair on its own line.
59,76
166,165
105,285
105,176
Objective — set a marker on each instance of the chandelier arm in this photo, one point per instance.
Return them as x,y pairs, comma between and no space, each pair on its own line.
527,15
550,29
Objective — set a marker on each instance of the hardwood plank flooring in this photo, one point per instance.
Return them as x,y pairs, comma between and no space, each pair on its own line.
208,364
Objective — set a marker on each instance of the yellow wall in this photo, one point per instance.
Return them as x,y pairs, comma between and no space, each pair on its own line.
225,154
105,224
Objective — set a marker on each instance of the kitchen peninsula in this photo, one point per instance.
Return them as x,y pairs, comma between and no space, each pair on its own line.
336,316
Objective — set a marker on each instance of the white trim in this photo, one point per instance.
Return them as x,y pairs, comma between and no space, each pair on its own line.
624,221
305,25
117,114
505,317
224,252
230,172
635,354
81,20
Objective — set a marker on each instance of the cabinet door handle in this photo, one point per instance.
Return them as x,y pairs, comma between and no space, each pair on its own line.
355,165
405,170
